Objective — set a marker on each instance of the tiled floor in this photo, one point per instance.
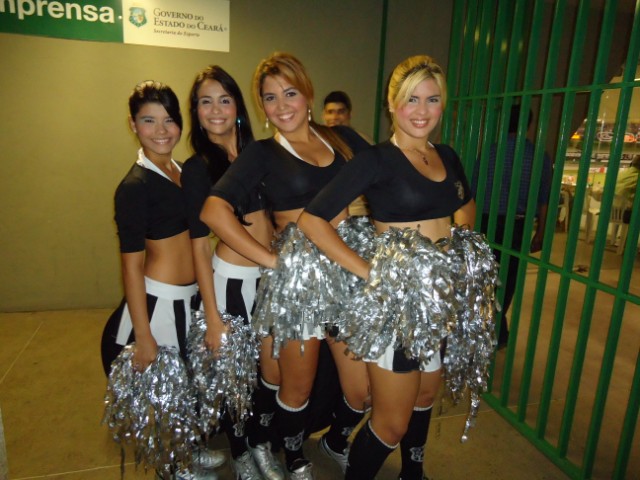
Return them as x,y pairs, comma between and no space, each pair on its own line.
51,394
52,387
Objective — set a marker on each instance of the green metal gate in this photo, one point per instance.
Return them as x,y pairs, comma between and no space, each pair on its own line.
569,379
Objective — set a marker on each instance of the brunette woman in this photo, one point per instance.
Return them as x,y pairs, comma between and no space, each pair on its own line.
156,256
227,282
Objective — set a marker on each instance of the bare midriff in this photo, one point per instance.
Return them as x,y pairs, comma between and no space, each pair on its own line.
260,228
169,260
434,228
283,218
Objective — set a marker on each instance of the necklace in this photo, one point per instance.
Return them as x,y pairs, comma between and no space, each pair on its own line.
422,155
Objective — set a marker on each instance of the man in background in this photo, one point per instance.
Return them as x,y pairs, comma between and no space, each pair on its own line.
626,186
337,109
511,164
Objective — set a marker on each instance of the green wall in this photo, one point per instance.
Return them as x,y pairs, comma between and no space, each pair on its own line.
66,144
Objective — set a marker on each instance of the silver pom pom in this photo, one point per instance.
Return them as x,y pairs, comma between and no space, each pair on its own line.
305,289
152,410
358,233
472,342
224,379
408,301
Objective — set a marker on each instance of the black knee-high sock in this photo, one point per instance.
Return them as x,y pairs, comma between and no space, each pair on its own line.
264,410
413,442
290,422
367,454
345,419
235,435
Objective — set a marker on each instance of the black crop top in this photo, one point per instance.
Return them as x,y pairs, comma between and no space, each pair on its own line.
196,184
148,206
395,190
286,181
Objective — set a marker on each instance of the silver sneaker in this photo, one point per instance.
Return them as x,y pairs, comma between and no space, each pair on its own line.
207,459
185,475
193,475
266,461
301,470
340,458
244,468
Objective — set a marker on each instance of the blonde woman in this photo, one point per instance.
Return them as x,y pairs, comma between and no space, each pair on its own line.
413,185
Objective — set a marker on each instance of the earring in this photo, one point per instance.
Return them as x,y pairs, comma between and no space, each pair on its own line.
238,121
266,124
309,113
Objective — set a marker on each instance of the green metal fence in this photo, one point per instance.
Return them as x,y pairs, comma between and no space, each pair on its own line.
569,379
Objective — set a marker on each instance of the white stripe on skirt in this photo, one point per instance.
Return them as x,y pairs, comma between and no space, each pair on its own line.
224,271
163,321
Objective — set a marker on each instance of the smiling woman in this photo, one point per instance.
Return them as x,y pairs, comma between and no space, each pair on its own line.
289,169
155,249
152,227
227,281
416,191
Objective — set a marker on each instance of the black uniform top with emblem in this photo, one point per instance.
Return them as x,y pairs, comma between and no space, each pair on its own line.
286,181
395,190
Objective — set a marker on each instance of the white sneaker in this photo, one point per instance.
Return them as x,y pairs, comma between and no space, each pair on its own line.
207,459
188,475
301,469
244,468
340,458
266,461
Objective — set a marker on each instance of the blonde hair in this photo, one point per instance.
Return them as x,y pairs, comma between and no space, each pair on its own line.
408,74
287,66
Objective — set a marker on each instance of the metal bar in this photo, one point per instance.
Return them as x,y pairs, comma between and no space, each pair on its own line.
483,45
470,99
532,207
563,290
613,336
514,188
598,249
464,85
457,31
526,431
629,425
592,87
512,72
578,278
496,80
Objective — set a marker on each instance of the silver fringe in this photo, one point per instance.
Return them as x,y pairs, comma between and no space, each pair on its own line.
223,380
305,288
152,410
358,233
420,293
407,302
471,344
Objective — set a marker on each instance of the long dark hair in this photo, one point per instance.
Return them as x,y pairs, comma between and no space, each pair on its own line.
214,155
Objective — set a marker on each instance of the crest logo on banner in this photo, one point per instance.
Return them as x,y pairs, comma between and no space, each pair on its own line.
137,16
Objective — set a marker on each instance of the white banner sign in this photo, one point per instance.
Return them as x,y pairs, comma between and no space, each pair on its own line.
194,24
